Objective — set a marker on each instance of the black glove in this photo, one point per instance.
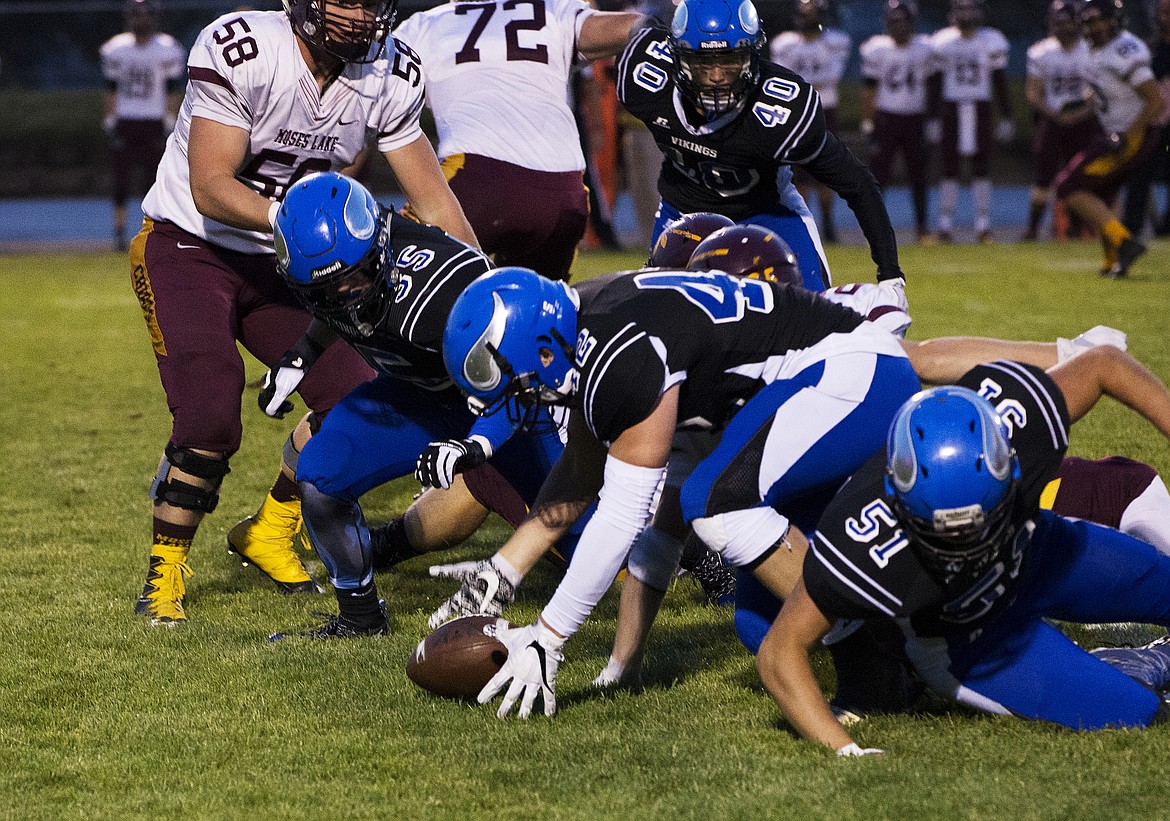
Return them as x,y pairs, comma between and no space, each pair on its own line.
282,380
440,461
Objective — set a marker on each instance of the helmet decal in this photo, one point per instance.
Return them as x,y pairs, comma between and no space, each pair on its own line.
679,23
480,368
749,18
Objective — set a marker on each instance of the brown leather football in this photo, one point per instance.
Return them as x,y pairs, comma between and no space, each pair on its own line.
459,658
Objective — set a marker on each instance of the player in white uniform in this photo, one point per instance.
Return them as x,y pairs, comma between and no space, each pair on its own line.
1056,91
497,77
142,67
972,59
1128,104
271,97
819,55
894,69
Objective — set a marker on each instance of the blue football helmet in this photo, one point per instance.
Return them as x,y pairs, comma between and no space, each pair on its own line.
348,34
953,475
333,250
716,46
509,343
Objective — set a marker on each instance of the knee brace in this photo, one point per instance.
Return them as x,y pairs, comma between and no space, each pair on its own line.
290,455
183,494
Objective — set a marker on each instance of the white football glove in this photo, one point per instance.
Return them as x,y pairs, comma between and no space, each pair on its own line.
440,461
534,653
279,382
932,131
851,750
487,587
1005,130
895,290
1098,335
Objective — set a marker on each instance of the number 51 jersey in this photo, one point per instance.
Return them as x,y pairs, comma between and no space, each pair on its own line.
728,165
860,563
246,70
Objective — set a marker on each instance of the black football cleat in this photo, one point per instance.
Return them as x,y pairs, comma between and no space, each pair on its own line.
338,627
1127,254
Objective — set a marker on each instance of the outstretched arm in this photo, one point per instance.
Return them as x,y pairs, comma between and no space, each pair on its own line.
837,167
605,33
1107,371
784,667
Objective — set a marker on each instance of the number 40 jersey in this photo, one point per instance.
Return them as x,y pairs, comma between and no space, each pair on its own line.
246,71
729,165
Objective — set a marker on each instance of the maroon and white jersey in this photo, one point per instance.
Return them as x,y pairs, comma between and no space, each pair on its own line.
497,78
247,71
899,71
1062,70
1114,71
140,73
967,63
873,302
821,60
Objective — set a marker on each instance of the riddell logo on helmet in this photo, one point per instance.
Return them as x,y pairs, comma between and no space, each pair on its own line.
714,44
336,265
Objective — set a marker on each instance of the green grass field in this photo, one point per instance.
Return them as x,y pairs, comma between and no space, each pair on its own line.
103,716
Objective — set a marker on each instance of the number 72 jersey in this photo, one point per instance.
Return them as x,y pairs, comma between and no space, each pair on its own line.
497,78
246,71
728,166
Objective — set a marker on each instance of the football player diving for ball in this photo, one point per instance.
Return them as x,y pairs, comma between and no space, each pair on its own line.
384,284
941,535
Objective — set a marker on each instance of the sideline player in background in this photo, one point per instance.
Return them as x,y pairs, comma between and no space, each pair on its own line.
143,68
1065,125
894,68
731,126
971,59
271,97
1129,105
497,77
819,55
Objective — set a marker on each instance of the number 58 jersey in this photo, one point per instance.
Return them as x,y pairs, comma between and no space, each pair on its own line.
246,70
729,165
860,563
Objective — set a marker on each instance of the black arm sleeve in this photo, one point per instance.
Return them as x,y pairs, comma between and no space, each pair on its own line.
837,167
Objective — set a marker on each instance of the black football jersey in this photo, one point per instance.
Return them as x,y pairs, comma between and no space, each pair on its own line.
729,165
434,269
858,564
721,338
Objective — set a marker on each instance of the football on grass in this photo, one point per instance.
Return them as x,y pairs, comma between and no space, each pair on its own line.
459,658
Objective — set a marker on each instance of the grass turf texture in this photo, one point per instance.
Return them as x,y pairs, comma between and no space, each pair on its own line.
106,717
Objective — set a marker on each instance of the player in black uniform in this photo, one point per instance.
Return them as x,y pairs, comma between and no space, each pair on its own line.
385,285
802,388
942,532
731,125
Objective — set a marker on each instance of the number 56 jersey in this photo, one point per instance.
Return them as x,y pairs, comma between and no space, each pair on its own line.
860,563
729,165
246,71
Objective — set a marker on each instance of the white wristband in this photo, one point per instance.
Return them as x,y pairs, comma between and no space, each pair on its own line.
273,210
